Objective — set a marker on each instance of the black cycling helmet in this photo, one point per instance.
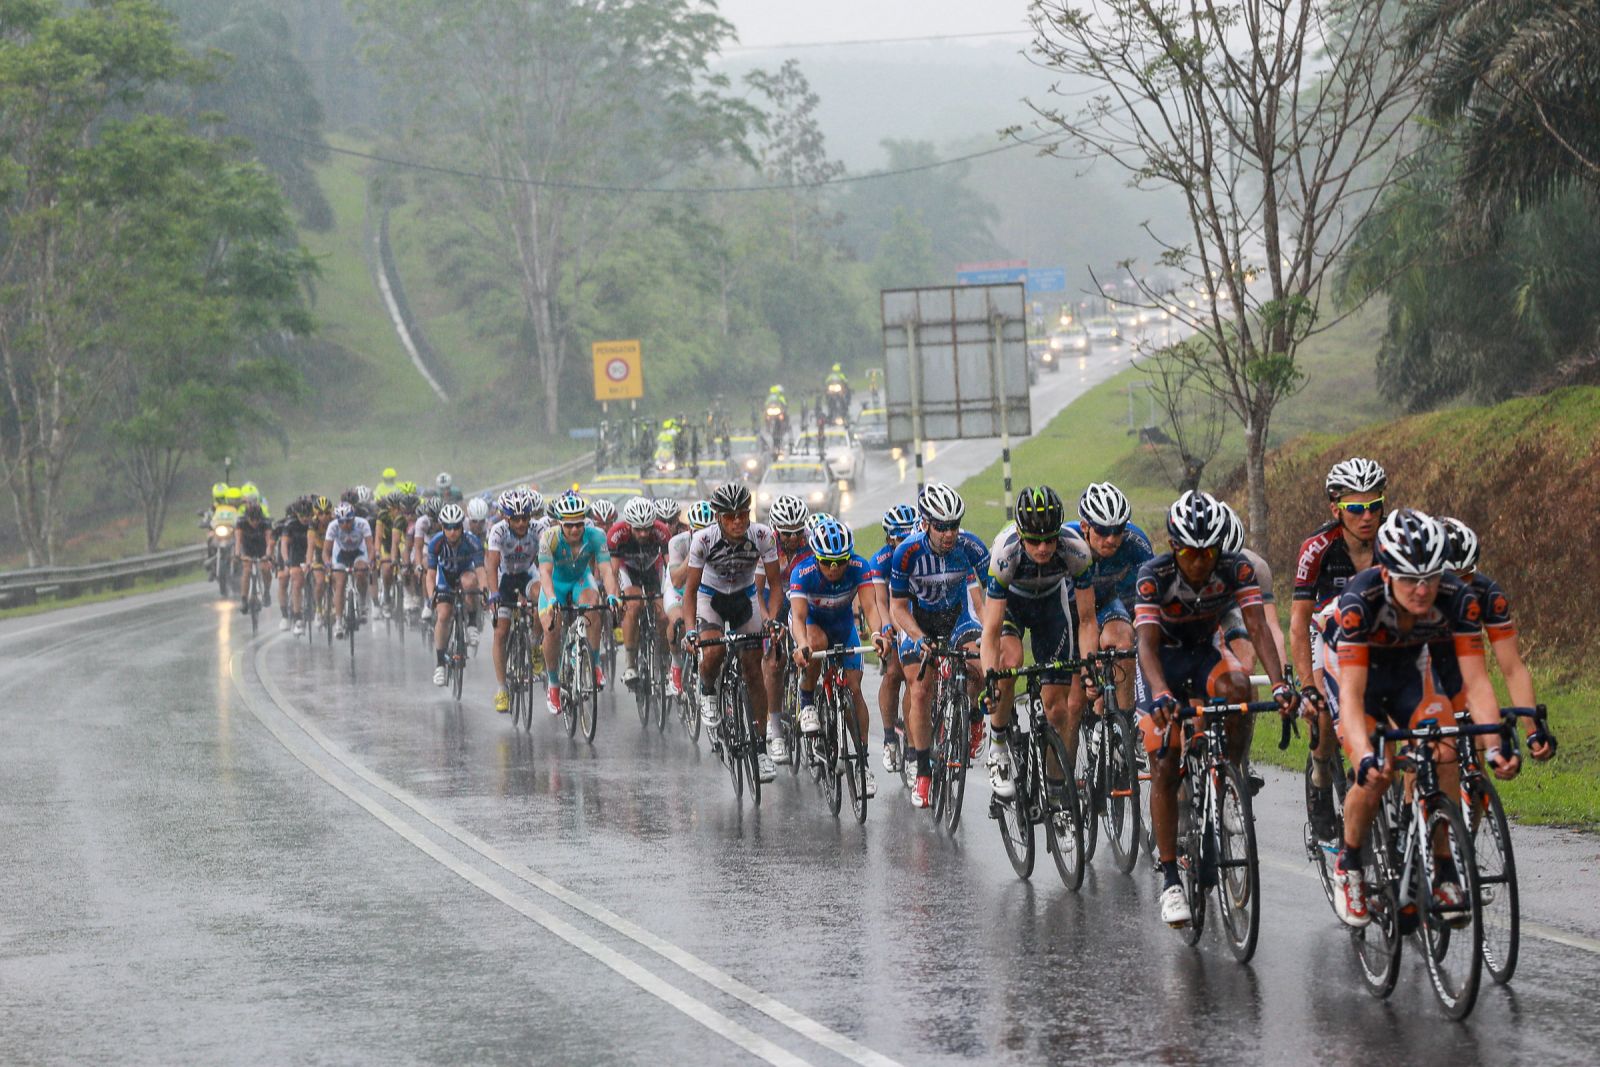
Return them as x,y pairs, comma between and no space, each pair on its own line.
730,497
1039,511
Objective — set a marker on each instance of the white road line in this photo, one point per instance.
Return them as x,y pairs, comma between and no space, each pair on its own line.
1542,931
691,1006
709,973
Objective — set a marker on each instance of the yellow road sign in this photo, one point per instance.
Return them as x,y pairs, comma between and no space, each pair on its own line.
617,373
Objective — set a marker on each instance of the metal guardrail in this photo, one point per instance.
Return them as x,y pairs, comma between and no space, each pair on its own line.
27,586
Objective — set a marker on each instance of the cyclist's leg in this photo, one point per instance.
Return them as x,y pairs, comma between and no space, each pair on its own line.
444,608
1226,678
471,597
550,614
510,588
630,615
919,705
1116,631
588,595
1009,658
1177,663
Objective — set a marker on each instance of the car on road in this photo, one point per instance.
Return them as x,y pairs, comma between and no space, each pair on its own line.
872,428
1102,331
843,454
807,479
1128,320
1068,341
749,454
619,493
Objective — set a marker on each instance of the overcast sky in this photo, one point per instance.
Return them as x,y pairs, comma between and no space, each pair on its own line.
777,22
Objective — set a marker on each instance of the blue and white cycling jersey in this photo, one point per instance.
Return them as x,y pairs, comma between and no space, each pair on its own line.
517,554
934,583
451,561
829,604
880,562
1115,578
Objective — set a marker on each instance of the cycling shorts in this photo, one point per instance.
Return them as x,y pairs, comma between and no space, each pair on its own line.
1113,610
1049,625
1193,672
1404,693
567,592
735,612
671,596
958,626
842,632
294,553
647,580
345,558
511,587
253,547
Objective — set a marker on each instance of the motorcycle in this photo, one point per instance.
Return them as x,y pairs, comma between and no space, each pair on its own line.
219,550
838,403
778,425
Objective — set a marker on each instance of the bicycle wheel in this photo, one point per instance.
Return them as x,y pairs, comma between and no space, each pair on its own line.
458,654
1238,865
589,699
516,670
1088,774
1120,819
1497,877
959,754
1451,940
573,653
255,602
1194,843
752,758
799,744
1377,945
1014,817
642,691
1063,811
939,786
351,618
729,733
855,765
663,701
828,750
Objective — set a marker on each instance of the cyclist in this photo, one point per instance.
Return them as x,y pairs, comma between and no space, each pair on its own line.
421,534
1182,598
321,509
1388,616
573,563
388,482
444,487
699,516
836,387
510,555
669,511
1117,548
1031,587
898,523
1494,608
719,586
293,546
1233,628
1334,554
347,547
252,546
384,525
477,510
603,513
788,517
638,546
455,558
249,494
824,591
933,590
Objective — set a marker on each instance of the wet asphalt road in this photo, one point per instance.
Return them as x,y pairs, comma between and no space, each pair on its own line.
226,850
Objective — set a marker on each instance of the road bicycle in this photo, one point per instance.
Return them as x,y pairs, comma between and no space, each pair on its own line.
650,683
1107,771
733,738
1413,847
456,649
521,670
579,685
952,714
838,748
1043,791
1216,830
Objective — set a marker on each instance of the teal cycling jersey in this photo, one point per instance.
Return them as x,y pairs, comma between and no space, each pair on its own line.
571,564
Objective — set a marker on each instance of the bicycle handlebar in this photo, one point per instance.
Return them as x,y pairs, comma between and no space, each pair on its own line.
732,639
1221,709
838,651
939,648
1037,668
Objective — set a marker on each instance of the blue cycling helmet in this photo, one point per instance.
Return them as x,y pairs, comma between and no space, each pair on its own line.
831,541
899,520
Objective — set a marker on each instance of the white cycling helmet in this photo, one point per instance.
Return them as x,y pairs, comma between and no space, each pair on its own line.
602,511
477,510
667,509
1233,538
939,503
535,501
1412,544
1103,504
451,515
788,514
1355,475
343,511
1461,545
817,519
701,515
443,480
1196,520
639,513
569,506
363,494
516,504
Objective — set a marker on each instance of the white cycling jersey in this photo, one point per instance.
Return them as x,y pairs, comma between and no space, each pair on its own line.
351,538
730,566
517,554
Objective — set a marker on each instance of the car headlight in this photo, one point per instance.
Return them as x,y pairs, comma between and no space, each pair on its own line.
750,464
816,496
1048,357
1055,342
1081,342
764,496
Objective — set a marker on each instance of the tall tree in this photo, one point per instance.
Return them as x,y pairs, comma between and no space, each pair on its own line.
63,206
1267,116
958,217
555,99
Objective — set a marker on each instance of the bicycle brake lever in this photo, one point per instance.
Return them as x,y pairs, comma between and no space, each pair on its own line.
1289,726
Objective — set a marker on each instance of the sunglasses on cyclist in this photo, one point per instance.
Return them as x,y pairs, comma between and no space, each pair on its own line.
1040,539
1109,531
832,561
1188,552
580,524
1357,508
943,527
452,526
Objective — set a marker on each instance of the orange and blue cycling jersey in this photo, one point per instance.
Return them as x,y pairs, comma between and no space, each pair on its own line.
1495,611
1186,615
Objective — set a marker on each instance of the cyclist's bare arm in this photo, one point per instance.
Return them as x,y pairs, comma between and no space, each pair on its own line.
1300,639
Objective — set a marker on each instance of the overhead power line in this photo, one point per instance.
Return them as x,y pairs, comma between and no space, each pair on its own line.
592,187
